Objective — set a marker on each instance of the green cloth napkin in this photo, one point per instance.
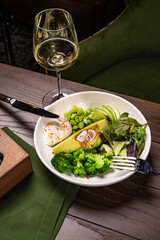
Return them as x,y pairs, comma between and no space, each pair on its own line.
36,207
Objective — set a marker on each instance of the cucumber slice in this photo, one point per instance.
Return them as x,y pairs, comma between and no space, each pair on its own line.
118,146
123,152
107,150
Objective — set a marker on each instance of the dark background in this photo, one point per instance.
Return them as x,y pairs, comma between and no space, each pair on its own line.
89,16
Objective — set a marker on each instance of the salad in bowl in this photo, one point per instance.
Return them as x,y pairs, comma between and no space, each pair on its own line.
79,145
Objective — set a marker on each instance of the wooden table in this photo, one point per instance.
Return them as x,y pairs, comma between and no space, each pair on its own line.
126,210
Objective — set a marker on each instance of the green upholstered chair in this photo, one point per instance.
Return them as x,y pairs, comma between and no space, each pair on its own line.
124,57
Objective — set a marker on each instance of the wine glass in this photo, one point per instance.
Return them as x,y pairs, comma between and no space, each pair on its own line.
55,46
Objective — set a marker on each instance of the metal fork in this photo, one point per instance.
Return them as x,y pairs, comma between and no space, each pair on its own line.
133,164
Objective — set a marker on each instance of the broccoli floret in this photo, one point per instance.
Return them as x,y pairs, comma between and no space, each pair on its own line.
79,154
90,168
96,163
105,166
62,162
79,171
78,168
81,162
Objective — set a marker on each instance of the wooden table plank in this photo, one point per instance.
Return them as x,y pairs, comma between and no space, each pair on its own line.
127,210
79,229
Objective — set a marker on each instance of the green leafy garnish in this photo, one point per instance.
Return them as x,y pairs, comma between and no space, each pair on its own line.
126,129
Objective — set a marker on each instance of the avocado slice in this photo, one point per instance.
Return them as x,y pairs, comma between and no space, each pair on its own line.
88,137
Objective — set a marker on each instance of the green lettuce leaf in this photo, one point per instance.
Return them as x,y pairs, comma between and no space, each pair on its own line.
126,129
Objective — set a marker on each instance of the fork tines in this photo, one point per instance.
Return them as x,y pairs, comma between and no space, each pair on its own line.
133,163
125,163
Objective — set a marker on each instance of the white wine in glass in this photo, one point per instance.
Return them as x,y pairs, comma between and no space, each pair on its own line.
55,46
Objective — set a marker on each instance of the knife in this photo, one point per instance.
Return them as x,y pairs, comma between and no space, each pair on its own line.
26,107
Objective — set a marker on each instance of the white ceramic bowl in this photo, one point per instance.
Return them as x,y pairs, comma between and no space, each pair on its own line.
85,100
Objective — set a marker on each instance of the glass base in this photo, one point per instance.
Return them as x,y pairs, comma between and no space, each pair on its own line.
53,96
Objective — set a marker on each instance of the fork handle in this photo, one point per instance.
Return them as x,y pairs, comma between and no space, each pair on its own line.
153,171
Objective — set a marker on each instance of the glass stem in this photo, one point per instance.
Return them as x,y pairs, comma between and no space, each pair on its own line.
59,82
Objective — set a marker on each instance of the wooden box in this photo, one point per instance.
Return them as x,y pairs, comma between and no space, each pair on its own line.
16,164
